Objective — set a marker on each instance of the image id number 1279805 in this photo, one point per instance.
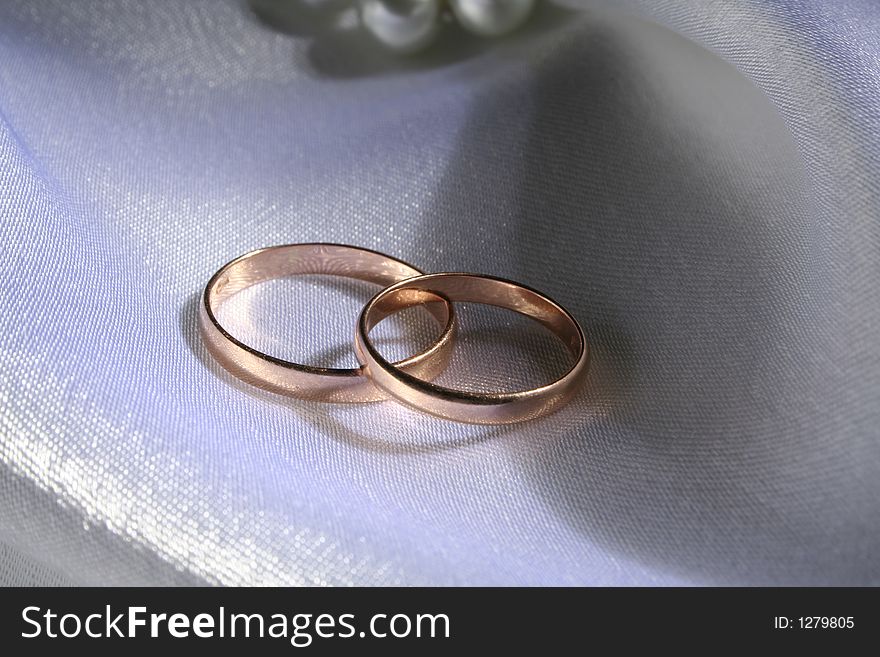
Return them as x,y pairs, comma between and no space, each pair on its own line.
814,622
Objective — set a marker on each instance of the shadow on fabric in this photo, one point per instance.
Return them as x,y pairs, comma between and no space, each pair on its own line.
655,191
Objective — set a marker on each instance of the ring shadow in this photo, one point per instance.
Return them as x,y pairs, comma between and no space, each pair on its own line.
643,192
318,414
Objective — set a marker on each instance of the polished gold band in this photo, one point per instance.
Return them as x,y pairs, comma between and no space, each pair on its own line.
478,408
316,383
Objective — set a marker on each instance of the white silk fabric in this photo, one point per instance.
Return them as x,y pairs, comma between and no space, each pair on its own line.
698,181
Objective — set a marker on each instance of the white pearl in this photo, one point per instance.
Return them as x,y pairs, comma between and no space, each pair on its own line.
402,25
492,17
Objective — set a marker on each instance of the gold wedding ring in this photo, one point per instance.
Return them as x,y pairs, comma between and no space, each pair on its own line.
408,381
473,407
305,381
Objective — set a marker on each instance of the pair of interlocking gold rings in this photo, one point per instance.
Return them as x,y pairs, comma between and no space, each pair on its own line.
408,381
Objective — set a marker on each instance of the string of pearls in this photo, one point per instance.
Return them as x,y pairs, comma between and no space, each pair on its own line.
407,26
